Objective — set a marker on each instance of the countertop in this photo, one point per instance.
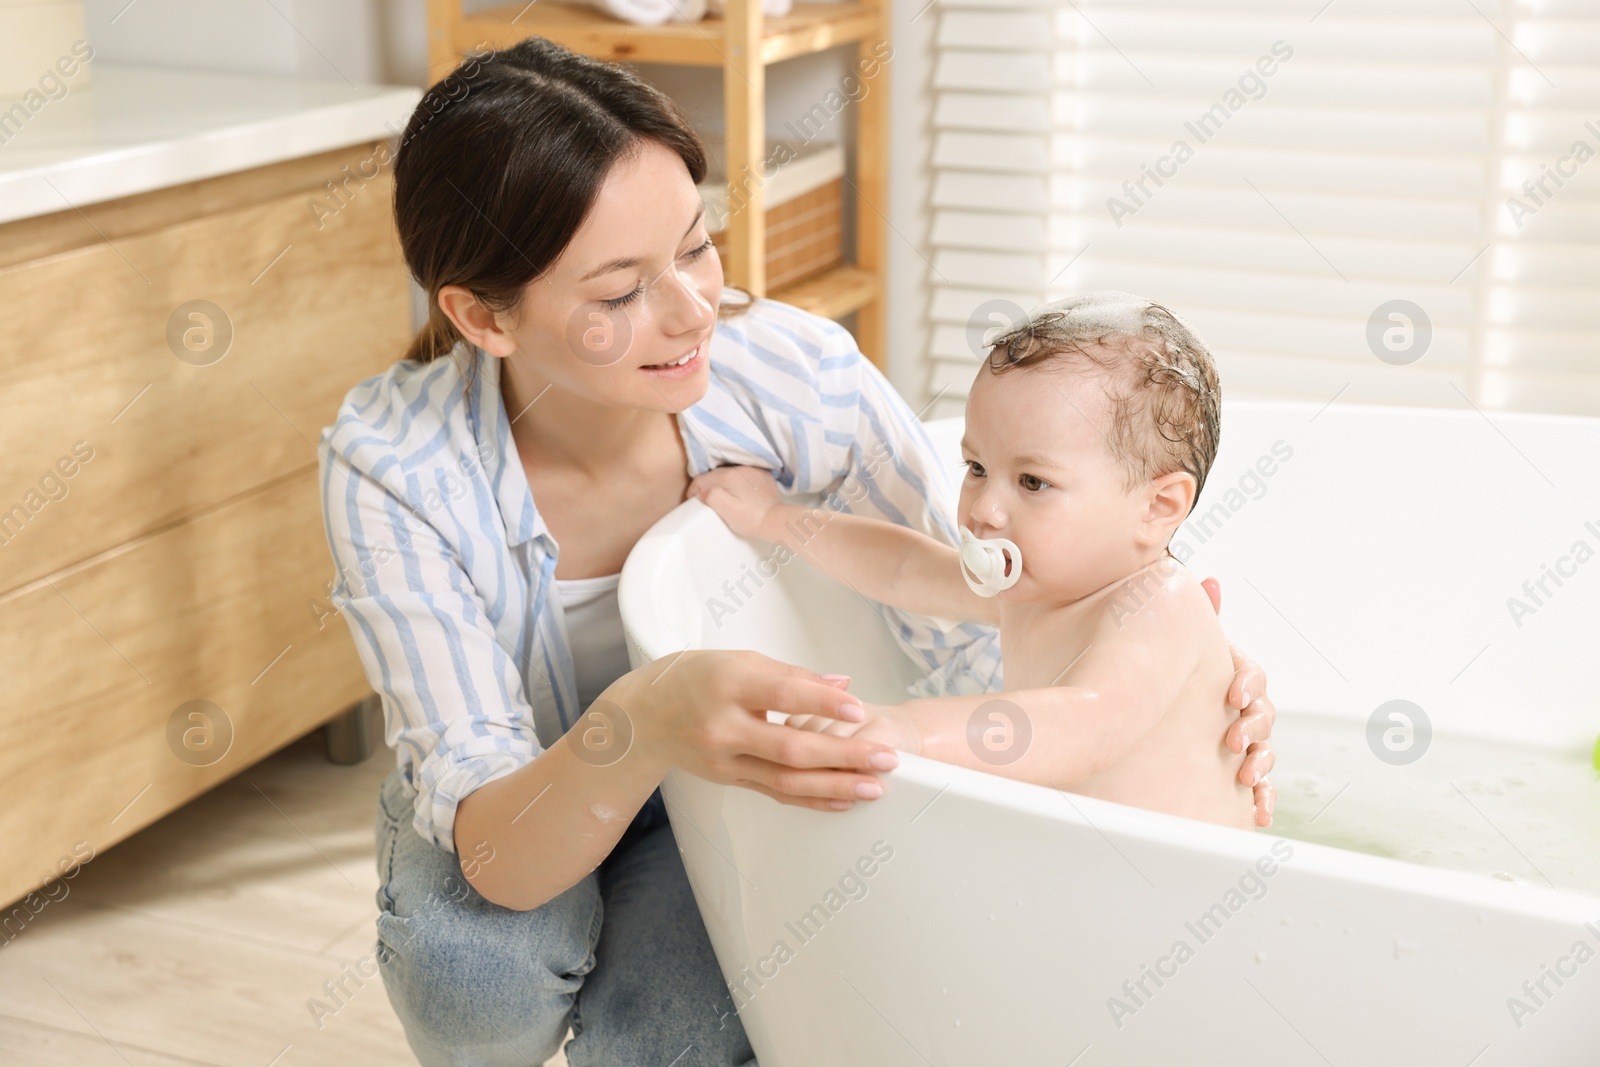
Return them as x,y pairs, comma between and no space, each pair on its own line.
135,129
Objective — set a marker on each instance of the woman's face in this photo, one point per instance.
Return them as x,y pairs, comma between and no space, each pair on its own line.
634,292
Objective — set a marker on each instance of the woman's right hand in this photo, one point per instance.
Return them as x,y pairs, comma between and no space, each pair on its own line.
889,723
706,713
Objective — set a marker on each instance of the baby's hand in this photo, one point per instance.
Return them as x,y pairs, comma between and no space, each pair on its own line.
887,723
741,495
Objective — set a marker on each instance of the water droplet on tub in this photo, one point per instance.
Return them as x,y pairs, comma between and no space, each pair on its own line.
958,1022
1504,877
991,916
1261,957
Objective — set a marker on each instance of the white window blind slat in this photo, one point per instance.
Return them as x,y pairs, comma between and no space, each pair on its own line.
1319,127
957,188
1346,174
1196,292
1546,311
1266,377
985,230
992,29
981,268
1540,351
992,72
1405,37
1576,266
991,111
1203,248
991,151
1238,204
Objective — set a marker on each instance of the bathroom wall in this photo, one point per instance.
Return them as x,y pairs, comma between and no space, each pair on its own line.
337,40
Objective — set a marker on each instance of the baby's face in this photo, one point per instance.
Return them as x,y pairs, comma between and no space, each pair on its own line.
1039,472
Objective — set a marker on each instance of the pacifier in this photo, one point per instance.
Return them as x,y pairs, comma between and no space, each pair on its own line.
983,563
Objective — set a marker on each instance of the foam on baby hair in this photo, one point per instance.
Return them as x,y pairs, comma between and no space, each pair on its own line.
1108,311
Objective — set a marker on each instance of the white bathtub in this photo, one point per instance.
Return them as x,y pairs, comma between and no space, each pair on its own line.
999,920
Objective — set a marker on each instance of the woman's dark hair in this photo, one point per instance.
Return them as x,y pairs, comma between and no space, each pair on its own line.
501,162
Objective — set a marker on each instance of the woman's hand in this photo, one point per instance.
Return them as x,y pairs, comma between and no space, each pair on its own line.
1252,733
706,712
885,723
743,496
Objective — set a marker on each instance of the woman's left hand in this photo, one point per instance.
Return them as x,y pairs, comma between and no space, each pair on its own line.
1252,733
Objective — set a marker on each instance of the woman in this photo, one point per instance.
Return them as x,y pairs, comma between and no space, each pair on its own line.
574,356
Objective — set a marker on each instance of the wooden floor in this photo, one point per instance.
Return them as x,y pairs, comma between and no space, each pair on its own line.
205,938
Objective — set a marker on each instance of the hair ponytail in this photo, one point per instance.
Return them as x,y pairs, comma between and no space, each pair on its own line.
438,336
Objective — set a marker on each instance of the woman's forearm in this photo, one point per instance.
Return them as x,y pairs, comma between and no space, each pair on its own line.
527,837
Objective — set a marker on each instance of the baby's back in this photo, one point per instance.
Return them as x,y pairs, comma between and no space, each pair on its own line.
1177,672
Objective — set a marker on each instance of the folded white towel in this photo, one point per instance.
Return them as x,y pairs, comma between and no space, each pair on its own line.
650,12
772,9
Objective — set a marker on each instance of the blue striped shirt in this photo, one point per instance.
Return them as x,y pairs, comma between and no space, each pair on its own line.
445,568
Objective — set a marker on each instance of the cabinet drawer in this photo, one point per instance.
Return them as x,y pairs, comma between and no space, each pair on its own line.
315,300
97,662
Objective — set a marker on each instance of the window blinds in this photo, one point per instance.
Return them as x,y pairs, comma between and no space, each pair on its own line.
1381,201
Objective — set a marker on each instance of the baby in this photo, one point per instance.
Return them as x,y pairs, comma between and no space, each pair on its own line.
1089,432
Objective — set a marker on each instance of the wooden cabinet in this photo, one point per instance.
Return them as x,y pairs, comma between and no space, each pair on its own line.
168,363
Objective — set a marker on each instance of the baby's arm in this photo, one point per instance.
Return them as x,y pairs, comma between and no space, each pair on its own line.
1057,735
883,561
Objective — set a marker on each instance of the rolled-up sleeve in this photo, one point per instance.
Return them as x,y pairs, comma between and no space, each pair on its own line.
453,692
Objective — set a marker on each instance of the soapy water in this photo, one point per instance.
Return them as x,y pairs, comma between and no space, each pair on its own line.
1491,807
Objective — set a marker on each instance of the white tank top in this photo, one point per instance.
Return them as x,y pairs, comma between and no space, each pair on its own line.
594,633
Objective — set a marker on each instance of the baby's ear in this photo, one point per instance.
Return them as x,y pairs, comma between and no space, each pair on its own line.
1170,498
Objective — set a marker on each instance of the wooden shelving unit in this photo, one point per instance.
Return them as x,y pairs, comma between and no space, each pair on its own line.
743,45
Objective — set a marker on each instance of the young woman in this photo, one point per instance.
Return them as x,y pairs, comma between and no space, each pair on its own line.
579,355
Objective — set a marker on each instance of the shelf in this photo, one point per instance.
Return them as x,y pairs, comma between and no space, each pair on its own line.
741,47
808,28
833,293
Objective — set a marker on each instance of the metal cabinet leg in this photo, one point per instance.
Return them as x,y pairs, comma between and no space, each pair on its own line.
350,737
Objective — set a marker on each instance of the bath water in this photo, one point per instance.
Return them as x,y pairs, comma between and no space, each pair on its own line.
1496,808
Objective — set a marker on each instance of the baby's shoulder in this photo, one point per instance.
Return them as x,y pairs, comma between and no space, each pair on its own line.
1164,599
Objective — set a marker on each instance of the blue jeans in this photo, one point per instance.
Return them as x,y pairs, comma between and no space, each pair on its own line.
622,957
